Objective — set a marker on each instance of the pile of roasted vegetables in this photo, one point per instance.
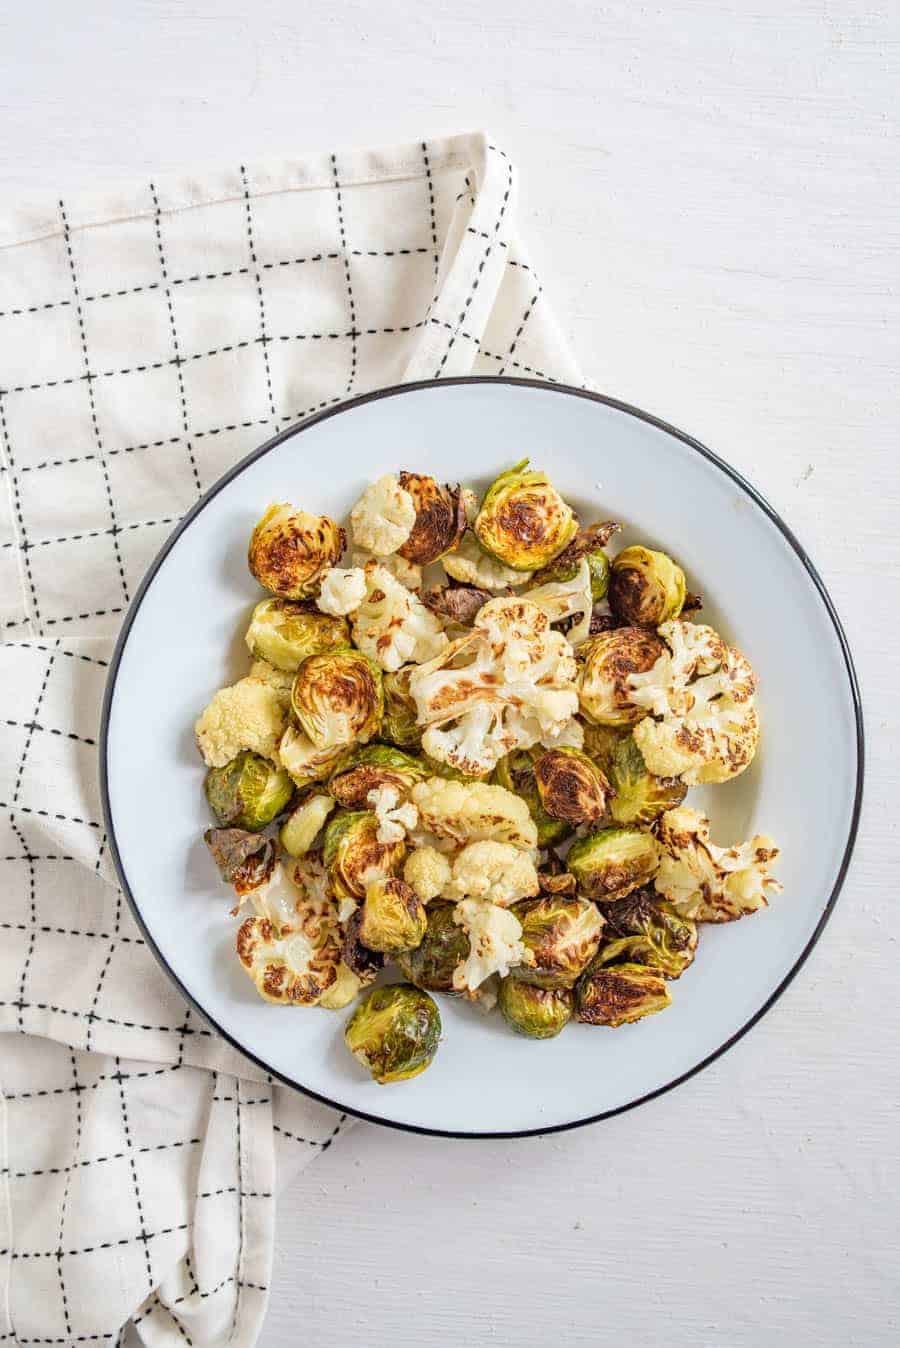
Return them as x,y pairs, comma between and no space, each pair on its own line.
478,773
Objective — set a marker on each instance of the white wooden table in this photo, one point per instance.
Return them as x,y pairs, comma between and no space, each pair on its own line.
711,194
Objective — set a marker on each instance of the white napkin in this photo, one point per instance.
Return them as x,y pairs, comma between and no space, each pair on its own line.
148,339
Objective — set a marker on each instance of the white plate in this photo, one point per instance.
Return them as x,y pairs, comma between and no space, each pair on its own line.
182,640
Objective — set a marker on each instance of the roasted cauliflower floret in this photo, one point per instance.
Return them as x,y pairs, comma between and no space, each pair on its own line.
471,565
708,883
281,680
392,625
492,870
703,692
343,590
495,944
292,949
251,714
464,812
428,872
394,820
408,573
561,599
383,517
505,685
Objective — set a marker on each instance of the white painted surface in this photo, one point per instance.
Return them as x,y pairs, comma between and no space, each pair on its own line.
711,194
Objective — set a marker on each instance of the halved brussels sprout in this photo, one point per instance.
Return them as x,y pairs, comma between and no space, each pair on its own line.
562,933
646,588
394,1032
400,725
645,929
619,994
301,828
354,857
587,543
248,792
440,519
537,1013
639,797
393,917
442,949
571,786
305,763
364,963
375,765
608,661
285,633
245,860
337,698
612,862
600,742
523,520
516,773
290,550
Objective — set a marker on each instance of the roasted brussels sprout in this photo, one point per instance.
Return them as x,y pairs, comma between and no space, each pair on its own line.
354,857
364,963
337,698
639,797
400,725
393,917
612,862
301,828
618,994
460,603
537,1013
516,773
644,929
646,588
290,550
285,633
440,519
523,521
600,742
248,792
571,786
608,661
305,763
563,935
245,860
442,949
375,765
394,1032
587,543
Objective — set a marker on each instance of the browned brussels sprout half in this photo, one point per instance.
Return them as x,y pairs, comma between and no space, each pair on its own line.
639,797
366,964
440,519
394,1032
285,633
537,1013
444,946
612,862
376,765
608,661
562,933
618,994
399,725
353,856
248,792
516,772
571,786
393,917
646,588
645,929
290,550
337,698
523,521
245,860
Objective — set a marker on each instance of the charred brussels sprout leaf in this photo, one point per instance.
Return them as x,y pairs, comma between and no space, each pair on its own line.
290,550
245,860
612,862
608,661
376,765
646,588
644,929
440,519
587,543
619,994
444,946
394,1032
571,786
337,698
563,935
516,773
285,633
399,723
366,964
300,830
248,792
353,856
537,1013
393,917
639,797
523,521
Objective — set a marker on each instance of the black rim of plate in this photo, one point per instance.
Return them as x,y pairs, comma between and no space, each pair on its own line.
568,390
